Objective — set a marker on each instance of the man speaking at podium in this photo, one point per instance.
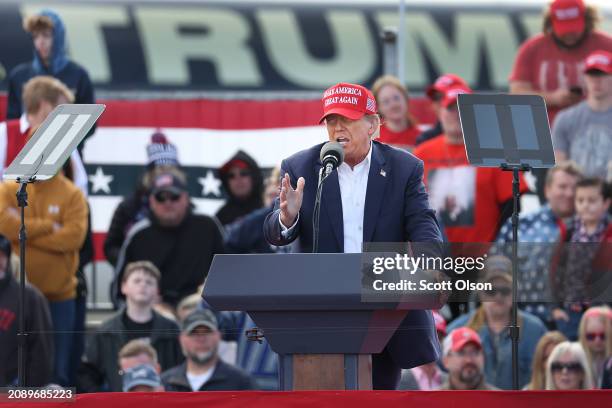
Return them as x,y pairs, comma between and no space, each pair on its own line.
376,195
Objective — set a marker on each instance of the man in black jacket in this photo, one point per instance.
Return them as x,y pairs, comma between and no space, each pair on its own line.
180,243
39,343
203,370
99,370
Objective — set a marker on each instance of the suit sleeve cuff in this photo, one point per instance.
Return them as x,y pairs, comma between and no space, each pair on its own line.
286,232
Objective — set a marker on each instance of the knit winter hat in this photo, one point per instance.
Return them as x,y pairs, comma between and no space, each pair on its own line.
160,152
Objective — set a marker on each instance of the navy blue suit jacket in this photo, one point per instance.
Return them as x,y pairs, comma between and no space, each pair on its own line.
396,210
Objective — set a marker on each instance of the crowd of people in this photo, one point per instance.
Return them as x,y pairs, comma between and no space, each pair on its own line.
164,336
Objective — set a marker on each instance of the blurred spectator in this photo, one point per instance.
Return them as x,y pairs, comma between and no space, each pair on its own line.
136,352
491,321
39,343
583,133
180,243
399,126
464,358
550,64
430,376
203,370
595,336
142,378
256,359
160,155
568,369
40,96
137,320
574,270
246,234
435,92
543,350
187,305
56,220
243,182
536,232
472,202
48,37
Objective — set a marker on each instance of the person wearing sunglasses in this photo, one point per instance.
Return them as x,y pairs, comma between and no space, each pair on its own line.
243,184
179,242
491,321
595,336
568,369
540,359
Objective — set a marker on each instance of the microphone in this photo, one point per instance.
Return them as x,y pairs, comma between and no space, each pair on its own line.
332,156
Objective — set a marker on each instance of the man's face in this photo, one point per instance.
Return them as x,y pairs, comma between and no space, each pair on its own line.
143,358
449,118
466,365
43,43
240,182
499,301
140,288
353,135
200,346
3,264
169,208
560,193
599,85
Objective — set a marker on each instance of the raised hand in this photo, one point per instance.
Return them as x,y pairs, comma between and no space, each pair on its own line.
290,200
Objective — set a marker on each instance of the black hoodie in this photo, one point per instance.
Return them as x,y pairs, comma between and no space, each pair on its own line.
235,208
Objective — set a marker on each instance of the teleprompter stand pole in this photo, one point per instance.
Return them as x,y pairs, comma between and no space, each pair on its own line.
22,202
514,327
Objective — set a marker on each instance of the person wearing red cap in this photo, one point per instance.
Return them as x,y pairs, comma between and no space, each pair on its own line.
435,92
583,132
550,63
464,359
399,126
473,202
376,195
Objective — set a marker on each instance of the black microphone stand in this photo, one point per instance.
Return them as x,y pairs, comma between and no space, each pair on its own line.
323,174
22,202
514,327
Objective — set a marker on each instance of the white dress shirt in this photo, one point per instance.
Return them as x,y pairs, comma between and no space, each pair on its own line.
353,187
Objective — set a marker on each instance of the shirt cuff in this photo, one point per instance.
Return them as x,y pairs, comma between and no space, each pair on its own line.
286,232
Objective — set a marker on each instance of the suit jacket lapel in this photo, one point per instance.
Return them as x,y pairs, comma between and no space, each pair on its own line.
377,183
331,205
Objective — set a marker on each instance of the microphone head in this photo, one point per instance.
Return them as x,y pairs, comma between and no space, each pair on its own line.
332,149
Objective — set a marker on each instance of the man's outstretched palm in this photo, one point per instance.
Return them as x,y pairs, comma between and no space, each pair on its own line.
290,200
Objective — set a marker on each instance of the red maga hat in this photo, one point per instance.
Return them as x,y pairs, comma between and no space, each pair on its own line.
443,83
348,100
458,338
599,61
450,96
567,16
